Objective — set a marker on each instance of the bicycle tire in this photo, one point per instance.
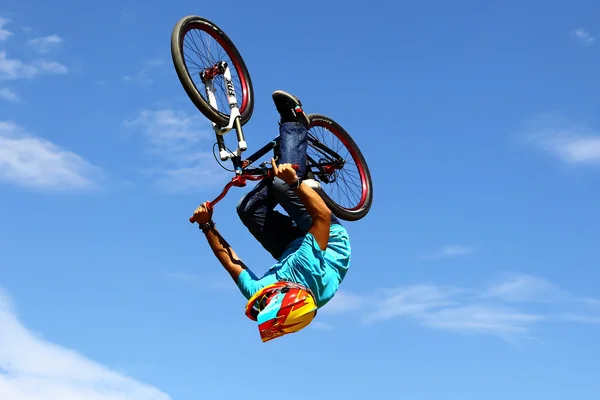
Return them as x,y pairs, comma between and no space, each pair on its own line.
183,26
362,209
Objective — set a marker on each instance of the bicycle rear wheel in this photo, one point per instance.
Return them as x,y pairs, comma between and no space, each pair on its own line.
205,40
335,160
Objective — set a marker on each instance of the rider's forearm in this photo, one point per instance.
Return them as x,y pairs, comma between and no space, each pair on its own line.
314,204
225,254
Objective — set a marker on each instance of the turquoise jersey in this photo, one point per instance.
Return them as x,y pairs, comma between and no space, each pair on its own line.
304,262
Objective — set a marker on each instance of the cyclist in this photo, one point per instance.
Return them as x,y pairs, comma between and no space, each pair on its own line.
310,246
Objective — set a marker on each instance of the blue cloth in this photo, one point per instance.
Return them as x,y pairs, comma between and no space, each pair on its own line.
305,263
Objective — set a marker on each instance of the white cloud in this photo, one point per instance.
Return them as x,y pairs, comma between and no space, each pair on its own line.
52,67
525,288
486,319
321,326
591,302
583,37
32,368
34,162
4,33
449,251
581,318
508,309
174,137
15,69
409,301
143,76
9,95
572,149
572,143
11,69
341,303
171,134
45,44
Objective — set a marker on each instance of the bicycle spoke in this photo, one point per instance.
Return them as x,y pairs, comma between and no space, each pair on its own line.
203,51
343,185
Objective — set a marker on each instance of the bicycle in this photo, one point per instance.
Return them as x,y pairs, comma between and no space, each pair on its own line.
324,164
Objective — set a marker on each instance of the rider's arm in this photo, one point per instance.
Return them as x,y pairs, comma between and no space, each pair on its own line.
225,254
319,212
245,279
316,207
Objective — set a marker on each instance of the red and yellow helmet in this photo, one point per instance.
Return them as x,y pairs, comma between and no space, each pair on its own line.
281,308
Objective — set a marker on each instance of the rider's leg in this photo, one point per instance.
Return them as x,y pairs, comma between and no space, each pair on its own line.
293,133
293,151
274,231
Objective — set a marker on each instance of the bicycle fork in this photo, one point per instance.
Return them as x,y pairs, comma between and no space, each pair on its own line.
207,76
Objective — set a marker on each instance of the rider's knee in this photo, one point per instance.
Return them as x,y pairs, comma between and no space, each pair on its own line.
241,208
279,186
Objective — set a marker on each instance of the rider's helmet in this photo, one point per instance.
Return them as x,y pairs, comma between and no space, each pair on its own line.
281,308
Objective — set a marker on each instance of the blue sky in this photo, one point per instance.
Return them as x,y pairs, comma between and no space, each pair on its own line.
475,275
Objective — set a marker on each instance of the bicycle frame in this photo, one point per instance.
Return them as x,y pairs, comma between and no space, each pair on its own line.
242,172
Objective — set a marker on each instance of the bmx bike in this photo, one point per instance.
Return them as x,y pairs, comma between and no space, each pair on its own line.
219,85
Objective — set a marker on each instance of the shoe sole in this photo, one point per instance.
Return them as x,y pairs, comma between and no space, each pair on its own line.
288,95
296,100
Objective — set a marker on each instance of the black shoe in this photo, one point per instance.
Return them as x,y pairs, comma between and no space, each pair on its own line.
289,108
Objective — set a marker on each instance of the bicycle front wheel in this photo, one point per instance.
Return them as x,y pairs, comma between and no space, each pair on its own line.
198,45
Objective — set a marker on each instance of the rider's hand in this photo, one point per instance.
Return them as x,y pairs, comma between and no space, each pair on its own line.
203,213
284,172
